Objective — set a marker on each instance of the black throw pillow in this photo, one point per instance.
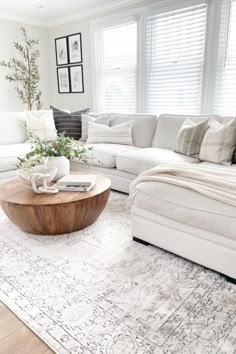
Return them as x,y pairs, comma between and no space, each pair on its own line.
69,123
234,157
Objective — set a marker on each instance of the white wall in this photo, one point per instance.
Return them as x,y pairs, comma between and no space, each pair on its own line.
9,32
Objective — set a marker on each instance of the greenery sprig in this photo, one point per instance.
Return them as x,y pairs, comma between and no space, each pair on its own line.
62,146
26,71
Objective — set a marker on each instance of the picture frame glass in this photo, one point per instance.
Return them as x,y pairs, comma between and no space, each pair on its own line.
61,51
75,48
63,80
76,78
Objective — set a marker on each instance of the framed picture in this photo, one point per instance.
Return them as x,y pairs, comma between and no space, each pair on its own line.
75,48
61,51
77,79
63,80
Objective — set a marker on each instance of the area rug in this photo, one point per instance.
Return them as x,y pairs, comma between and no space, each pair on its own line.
97,291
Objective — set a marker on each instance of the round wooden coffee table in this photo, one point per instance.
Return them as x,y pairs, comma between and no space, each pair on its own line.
44,214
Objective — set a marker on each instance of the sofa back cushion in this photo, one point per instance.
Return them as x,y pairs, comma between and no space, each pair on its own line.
13,127
168,126
143,127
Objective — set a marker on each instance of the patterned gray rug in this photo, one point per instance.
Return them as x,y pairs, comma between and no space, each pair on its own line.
97,291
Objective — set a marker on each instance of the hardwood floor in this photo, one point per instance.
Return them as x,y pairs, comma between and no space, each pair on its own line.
16,337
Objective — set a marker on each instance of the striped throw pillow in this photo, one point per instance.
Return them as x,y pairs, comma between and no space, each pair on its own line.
219,142
68,123
118,134
189,138
103,119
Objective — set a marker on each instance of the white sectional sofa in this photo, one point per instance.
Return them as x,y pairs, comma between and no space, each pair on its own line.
153,139
174,218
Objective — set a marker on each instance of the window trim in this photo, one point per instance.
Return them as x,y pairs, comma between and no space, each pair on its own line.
140,15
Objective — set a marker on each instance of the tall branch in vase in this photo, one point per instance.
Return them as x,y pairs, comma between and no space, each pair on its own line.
25,72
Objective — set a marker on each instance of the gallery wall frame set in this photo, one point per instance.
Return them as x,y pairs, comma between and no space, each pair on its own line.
70,79
69,49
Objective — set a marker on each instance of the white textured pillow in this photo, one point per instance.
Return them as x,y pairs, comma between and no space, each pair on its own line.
219,142
85,118
119,134
41,123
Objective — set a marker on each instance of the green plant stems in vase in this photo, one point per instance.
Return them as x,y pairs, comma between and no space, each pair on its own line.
63,146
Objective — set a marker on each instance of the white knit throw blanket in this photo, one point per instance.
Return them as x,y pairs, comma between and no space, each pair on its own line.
217,183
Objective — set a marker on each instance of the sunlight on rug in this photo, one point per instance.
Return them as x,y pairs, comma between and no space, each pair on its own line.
97,291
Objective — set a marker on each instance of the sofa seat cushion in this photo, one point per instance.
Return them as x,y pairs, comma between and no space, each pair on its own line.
9,154
138,161
105,154
187,207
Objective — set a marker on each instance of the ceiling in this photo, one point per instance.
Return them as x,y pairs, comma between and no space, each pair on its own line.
49,13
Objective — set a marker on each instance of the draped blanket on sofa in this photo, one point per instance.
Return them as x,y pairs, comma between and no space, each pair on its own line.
216,183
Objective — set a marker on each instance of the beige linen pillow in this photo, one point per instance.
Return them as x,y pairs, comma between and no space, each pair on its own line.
118,134
104,119
189,138
219,142
42,124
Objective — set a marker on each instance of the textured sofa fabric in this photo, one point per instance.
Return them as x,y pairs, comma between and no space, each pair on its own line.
187,223
140,160
9,153
187,207
104,155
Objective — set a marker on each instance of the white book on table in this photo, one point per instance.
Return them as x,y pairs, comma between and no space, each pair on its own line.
77,180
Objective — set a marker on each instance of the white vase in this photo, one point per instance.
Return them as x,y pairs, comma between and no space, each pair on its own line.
62,164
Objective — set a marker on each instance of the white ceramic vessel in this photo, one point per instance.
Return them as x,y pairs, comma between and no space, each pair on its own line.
61,163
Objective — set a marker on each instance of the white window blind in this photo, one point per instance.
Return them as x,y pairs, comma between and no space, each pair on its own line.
116,68
225,92
175,43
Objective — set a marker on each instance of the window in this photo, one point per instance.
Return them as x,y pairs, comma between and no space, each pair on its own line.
179,56
175,43
116,68
225,92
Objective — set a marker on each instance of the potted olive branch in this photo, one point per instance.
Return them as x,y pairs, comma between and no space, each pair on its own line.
53,154
25,71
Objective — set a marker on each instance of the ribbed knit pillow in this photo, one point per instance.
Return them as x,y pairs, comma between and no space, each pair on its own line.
69,123
219,142
189,138
118,134
103,119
